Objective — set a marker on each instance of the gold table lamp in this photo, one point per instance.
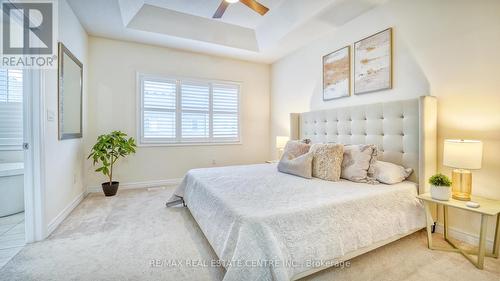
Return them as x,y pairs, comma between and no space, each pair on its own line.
463,156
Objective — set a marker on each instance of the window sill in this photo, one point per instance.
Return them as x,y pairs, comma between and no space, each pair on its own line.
188,144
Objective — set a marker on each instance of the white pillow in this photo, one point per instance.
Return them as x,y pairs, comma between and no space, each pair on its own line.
389,173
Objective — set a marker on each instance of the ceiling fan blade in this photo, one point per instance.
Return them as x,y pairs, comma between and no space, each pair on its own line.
221,9
256,6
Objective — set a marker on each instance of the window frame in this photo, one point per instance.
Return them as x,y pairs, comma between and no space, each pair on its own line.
178,141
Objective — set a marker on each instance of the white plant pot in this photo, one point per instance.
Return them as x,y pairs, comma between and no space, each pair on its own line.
442,193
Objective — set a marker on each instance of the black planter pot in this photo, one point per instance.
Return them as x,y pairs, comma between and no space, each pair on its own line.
110,190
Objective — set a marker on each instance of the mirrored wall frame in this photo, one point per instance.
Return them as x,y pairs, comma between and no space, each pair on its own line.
70,94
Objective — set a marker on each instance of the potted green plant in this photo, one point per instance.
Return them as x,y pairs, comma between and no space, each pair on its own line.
440,187
107,150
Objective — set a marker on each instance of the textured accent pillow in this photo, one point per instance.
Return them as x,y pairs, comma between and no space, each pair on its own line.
389,173
357,161
296,148
327,161
300,166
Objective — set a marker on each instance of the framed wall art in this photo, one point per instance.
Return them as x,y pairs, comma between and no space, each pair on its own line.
373,63
337,74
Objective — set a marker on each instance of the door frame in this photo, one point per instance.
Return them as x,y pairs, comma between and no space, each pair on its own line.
34,180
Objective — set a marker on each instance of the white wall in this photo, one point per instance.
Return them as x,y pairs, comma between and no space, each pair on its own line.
446,48
63,158
112,104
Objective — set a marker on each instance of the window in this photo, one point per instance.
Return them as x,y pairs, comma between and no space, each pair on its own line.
188,111
11,108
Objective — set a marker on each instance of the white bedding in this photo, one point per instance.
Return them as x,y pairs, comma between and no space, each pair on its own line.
272,226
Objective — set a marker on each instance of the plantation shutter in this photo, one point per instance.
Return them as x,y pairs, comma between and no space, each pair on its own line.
11,107
195,111
159,109
225,112
188,111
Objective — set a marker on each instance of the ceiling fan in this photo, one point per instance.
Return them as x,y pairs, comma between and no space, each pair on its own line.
252,4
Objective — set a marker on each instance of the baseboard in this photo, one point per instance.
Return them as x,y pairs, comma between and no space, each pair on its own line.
139,185
466,237
64,213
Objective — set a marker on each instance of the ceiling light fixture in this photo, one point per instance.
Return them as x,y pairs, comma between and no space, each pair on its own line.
252,4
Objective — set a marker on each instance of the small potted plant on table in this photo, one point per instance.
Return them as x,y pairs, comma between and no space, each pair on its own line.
106,151
440,187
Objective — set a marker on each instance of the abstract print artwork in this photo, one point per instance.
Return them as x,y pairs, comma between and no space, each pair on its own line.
337,74
373,63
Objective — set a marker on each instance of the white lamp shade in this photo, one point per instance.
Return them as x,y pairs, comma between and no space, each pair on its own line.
463,154
281,141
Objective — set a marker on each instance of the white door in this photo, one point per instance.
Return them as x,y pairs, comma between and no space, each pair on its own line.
33,181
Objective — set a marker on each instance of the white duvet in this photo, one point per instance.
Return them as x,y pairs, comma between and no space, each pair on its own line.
266,225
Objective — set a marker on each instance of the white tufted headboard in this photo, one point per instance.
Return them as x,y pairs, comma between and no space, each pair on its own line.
404,131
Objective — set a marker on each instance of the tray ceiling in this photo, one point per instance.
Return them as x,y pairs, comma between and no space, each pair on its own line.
241,33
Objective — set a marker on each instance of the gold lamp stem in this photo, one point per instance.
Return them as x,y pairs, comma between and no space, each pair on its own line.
461,184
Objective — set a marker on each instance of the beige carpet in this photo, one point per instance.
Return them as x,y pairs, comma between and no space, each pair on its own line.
117,238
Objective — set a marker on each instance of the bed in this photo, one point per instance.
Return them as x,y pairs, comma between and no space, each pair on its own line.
266,225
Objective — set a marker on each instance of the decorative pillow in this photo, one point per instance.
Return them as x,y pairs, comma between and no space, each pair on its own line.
300,166
296,148
357,161
389,173
327,161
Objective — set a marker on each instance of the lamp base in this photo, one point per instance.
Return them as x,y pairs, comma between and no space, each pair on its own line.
461,187
461,196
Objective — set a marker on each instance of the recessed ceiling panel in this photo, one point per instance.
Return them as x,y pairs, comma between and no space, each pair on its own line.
237,13
164,21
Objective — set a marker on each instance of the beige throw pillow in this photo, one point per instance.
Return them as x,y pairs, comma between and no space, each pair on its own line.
357,161
296,148
299,166
327,161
